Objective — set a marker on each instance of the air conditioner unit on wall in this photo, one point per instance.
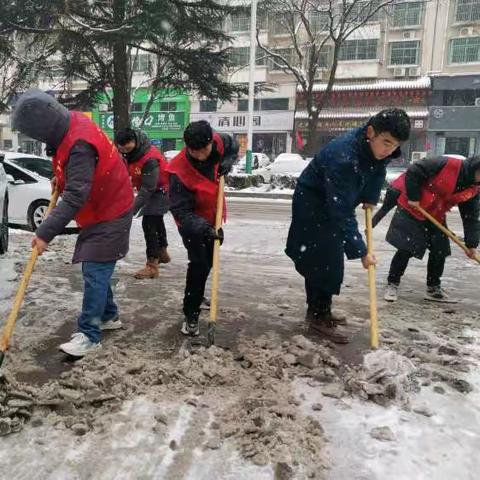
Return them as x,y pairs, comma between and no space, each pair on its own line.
418,156
399,72
467,31
409,35
477,102
414,72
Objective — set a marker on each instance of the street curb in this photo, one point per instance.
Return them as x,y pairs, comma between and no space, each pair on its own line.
274,196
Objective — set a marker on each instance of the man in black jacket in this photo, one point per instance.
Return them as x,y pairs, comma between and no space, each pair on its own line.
194,175
436,184
148,170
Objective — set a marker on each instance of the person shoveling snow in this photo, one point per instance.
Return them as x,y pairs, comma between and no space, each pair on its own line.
436,185
96,191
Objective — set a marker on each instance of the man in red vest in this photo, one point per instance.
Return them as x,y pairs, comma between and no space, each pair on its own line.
194,176
435,184
148,170
96,191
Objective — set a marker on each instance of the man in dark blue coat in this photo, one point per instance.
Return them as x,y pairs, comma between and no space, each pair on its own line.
349,171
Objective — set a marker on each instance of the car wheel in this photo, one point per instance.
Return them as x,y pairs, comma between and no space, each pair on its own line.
36,214
4,228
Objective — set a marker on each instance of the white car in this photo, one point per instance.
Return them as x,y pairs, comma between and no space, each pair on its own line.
169,154
286,164
259,160
3,208
29,190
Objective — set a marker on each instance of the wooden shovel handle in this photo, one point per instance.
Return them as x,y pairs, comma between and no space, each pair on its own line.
446,231
17,303
372,284
216,252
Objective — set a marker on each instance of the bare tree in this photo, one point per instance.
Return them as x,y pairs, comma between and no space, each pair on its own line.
314,33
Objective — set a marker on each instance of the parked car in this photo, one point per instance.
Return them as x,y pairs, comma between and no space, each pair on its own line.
169,154
259,160
290,164
3,209
29,190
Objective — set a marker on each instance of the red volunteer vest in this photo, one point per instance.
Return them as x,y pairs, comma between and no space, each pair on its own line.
135,169
111,194
438,195
204,189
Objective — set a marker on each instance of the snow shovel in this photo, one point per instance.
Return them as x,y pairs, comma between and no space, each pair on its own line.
371,281
216,266
12,318
447,232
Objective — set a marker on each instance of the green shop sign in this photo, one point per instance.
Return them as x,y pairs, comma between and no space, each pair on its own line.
170,121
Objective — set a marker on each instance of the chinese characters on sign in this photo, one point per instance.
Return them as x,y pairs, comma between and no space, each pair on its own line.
170,121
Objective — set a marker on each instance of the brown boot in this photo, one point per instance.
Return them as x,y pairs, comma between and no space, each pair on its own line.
323,324
150,270
164,256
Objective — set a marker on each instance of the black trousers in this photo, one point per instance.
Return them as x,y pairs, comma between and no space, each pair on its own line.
317,299
200,258
435,268
155,234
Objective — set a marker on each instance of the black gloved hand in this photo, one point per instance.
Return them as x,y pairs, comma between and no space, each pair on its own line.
226,165
214,235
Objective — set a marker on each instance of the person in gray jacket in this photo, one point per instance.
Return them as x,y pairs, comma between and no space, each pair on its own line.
148,170
93,180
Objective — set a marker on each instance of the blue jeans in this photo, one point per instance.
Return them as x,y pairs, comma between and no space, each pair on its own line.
98,305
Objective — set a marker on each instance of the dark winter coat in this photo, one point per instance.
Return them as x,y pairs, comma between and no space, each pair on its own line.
182,200
149,200
410,234
41,117
341,176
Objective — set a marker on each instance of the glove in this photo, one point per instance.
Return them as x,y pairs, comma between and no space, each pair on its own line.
213,235
226,166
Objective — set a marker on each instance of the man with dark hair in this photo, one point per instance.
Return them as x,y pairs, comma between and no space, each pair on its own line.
194,176
348,171
96,191
148,170
435,184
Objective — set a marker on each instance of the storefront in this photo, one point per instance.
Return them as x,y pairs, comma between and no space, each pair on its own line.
164,123
454,126
351,105
272,130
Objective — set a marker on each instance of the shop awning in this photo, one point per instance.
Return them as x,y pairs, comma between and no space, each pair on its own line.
415,84
358,113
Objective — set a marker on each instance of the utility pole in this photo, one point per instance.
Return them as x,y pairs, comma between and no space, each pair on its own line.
251,85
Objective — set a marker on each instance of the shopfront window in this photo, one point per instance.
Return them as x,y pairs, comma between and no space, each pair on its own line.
460,146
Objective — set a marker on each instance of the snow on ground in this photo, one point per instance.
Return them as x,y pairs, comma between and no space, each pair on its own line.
274,403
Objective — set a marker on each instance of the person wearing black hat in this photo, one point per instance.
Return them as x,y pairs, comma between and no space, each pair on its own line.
194,177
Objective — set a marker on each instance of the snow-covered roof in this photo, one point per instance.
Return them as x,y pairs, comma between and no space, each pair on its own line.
359,113
418,83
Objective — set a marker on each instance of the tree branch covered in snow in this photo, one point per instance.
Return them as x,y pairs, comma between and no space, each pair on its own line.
306,38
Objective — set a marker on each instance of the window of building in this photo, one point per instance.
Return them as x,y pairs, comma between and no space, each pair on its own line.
358,50
168,106
7,144
319,21
467,11
363,12
465,50
264,104
141,62
208,105
407,14
240,22
404,53
241,57
278,23
459,146
324,57
288,54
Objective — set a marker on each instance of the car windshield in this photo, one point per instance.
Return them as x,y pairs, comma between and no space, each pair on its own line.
40,166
